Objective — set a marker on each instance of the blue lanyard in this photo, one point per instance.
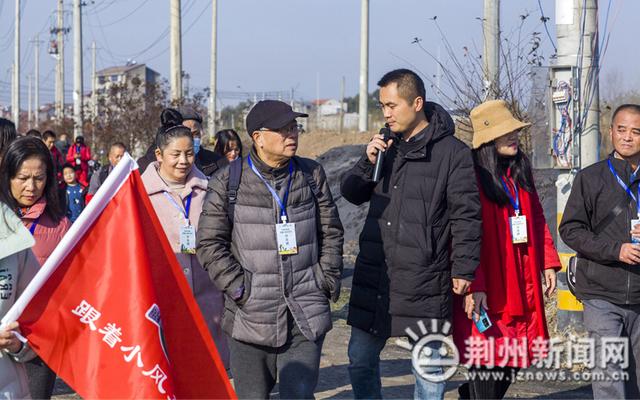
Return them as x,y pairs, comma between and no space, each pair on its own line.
282,203
515,201
32,229
187,206
625,187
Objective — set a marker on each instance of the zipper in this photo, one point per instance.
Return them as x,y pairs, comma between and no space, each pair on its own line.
626,267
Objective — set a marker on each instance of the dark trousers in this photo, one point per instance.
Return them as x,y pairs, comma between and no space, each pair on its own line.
41,379
487,383
295,365
607,320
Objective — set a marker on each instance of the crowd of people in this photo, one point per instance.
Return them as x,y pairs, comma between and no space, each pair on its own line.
452,234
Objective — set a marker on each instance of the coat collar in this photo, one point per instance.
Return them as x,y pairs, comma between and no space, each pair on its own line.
154,183
36,210
623,168
13,235
440,125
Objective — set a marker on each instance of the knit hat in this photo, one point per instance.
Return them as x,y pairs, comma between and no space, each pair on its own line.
491,120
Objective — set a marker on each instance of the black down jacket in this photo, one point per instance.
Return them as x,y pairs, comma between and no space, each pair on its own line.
594,194
422,229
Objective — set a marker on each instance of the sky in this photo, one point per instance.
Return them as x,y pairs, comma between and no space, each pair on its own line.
280,45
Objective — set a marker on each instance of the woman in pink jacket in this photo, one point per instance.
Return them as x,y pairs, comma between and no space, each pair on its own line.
177,190
28,185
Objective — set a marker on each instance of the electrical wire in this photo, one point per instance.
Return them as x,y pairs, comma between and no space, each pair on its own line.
546,28
184,34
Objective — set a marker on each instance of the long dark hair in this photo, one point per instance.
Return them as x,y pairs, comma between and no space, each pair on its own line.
171,128
17,153
7,134
491,168
223,138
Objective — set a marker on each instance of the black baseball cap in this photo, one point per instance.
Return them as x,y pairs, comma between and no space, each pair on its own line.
271,114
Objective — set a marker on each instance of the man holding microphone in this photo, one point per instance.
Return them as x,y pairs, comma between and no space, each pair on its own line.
421,237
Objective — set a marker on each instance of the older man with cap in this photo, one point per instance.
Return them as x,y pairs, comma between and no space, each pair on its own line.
271,239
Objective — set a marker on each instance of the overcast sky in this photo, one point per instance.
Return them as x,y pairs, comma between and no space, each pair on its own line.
273,45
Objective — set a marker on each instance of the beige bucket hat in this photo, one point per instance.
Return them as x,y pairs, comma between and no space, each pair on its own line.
492,119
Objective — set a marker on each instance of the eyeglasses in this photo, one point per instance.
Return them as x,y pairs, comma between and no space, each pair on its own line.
290,130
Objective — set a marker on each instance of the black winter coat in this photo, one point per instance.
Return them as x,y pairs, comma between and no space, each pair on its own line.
594,194
422,229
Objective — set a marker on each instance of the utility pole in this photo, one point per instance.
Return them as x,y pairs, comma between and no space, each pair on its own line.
29,106
341,128
36,104
363,107
94,84
214,69
491,55
77,69
60,64
15,107
578,47
176,51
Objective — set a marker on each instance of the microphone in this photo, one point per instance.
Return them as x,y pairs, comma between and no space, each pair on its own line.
377,170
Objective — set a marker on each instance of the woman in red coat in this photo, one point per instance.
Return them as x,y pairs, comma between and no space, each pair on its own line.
518,259
79,156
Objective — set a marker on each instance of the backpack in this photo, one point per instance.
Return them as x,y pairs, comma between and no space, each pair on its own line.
235,175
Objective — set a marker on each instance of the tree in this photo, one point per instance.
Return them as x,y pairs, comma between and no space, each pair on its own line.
463,85
129,113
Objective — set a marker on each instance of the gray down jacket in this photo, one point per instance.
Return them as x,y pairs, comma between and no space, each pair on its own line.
246,253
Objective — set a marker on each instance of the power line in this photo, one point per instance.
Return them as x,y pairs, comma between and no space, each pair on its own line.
128,15
184,34
546,28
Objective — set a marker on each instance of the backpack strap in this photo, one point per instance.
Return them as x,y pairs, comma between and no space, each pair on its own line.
308,176
235,173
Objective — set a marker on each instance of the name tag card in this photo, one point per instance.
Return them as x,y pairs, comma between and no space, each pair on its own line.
518,229
187,239
286,235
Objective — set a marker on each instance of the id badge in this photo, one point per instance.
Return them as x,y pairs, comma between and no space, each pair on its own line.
518,229
634,222
187,239
286,234
78,161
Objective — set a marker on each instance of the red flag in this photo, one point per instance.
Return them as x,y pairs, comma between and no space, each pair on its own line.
111,311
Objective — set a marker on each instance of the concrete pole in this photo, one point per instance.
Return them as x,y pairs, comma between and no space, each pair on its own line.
363,107
214,69
568,47
94,83
341,128
491,54
568,30
29,105
60,64
176,51
77,69
15,107
37,81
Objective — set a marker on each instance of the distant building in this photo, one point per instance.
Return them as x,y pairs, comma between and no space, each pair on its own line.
329,106
131,73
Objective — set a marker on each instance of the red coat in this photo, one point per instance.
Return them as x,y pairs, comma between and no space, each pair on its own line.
82,173
510,274
58,162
